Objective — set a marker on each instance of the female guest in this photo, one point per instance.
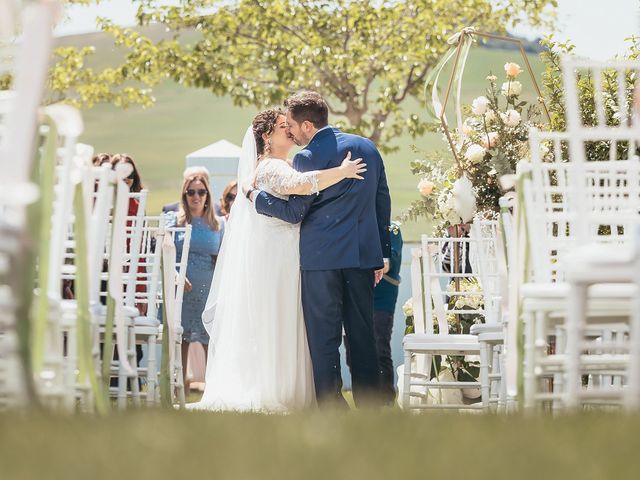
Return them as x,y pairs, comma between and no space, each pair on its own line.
100,159
133,181
135,185
228,197
197,209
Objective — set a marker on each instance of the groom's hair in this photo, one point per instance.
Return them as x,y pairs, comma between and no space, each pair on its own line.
309,106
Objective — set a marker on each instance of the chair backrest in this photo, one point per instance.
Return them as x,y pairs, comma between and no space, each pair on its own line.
451,288
142,278
136,253
569,203
180,266
599,97
30,68
485,233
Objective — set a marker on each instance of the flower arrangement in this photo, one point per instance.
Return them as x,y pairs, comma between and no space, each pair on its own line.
491,140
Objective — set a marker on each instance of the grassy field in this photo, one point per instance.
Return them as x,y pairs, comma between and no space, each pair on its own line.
152,445
184,120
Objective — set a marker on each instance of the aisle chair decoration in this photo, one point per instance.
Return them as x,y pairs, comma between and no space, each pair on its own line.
28,65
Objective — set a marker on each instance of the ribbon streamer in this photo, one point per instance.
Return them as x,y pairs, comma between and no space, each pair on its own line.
461,44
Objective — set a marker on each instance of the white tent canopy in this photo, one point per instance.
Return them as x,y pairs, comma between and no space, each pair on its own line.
221,159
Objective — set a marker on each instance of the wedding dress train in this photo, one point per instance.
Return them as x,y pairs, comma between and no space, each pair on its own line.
258,356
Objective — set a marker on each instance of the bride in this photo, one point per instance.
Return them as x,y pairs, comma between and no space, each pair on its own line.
258,356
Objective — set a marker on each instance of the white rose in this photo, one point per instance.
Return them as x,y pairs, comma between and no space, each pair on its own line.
450,212
489,140
407,308
425,187
490,116
480,105
511,118
466,129
510,89
475,153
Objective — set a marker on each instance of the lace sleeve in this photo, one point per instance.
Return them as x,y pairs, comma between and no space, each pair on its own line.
285,180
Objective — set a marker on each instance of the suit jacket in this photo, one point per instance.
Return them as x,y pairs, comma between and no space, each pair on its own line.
347,224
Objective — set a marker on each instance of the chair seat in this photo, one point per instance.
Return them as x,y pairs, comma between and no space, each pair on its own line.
600,263
561,290
441,343
101,311
141,321
479,328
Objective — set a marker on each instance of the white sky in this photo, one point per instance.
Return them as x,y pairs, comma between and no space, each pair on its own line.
597,27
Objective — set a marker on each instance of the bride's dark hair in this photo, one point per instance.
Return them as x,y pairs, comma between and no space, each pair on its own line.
264,123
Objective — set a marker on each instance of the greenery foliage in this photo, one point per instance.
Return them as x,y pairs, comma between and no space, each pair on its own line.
367,58
554,94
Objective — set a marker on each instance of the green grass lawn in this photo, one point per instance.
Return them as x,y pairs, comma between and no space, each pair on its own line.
153,445
184,120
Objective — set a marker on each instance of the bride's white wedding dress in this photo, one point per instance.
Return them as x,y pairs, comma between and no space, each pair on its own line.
258,356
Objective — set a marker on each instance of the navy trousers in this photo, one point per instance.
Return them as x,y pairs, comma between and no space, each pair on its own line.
331,300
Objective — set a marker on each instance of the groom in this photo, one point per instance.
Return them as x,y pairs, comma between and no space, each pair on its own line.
344,237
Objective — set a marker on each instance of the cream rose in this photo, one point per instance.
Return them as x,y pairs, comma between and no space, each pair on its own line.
407,308
512,88
480,105
475,153
466,129
490,116
489,140
425,187
512,69
511,118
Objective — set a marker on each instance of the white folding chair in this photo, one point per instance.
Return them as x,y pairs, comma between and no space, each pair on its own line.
174,275
491,333
567,205
438,272
148,276
28,62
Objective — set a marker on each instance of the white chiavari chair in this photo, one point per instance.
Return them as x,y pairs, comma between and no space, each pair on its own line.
174,275
27,63
441,274
491,333
568,205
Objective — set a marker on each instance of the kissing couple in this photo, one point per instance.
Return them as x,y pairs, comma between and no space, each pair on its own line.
303,249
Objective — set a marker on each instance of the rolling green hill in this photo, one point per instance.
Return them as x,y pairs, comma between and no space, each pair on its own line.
184,120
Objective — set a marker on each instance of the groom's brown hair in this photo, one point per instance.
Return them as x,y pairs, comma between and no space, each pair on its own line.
309,106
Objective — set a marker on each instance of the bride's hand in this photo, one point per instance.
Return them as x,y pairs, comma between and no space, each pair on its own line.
351,168
245,189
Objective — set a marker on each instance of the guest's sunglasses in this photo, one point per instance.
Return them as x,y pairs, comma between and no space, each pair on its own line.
201,193
230,197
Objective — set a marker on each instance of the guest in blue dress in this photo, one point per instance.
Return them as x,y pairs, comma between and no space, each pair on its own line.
207,230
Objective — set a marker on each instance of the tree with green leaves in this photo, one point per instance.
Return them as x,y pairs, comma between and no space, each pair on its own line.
366,58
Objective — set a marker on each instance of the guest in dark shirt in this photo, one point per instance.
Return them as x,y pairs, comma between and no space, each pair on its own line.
385,296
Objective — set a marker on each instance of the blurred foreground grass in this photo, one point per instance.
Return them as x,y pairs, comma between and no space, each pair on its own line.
318,445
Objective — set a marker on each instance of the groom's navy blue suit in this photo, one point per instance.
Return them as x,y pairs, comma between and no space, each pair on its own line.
343,238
